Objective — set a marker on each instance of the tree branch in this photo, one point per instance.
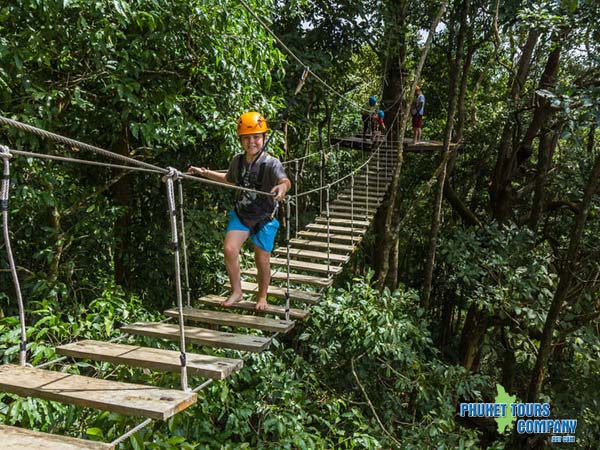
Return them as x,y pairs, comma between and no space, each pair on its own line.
362,389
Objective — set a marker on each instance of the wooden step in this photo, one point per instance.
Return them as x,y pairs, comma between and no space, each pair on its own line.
348,215
310,254
13,438
347,205
362,190
333,247
359,209
373,197
357,203
152,358
341,222
279,292
232,319
295,278
200,336
359,188
306,266
313,235
322,227
114,396
362,179
276,310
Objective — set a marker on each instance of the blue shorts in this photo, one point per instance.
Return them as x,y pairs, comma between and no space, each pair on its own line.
264,239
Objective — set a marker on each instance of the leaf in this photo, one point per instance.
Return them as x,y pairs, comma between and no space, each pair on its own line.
95,432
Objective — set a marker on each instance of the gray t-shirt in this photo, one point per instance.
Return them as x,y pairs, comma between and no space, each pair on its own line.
262,175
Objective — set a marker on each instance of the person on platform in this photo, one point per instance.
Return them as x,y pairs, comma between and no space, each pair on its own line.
417,109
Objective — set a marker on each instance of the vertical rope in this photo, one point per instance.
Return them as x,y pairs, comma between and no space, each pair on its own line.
321,169
352,209
297,199
378,156
367,198
184,245
287,243
5,187
168,179
328,229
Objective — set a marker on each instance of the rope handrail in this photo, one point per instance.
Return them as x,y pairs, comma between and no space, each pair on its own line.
142,166
78,144
81,161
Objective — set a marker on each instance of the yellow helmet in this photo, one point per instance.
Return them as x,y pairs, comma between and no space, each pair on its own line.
251,123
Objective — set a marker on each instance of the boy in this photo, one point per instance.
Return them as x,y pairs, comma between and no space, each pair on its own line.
254,214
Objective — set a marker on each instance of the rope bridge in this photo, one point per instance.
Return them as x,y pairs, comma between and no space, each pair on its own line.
307,262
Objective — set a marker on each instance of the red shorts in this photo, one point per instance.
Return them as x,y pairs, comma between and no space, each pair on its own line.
417,121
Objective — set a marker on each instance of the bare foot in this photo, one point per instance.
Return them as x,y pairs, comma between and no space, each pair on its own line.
233,299
261,304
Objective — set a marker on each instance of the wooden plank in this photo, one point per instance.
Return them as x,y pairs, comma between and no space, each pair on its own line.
310,254
341,222
279,292
295,278
322,227
200,336
114,396
152,358
358,206
276,310
306,266
349,216
348,208
232,319
341,248
373,197
313,236
13,438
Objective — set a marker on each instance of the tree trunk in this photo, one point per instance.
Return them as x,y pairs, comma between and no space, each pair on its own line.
437,208
473,330
548,142
566,278
388,238
542,110
500,193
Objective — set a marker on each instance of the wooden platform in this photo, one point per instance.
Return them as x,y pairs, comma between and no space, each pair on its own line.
295,278
358,143
152,358
232,319
200,336
13,438
276,310
114,396
279,292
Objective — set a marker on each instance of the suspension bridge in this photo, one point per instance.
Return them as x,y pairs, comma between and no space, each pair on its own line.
301,270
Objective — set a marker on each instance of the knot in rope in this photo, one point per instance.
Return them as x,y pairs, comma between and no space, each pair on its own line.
5,152
173,174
